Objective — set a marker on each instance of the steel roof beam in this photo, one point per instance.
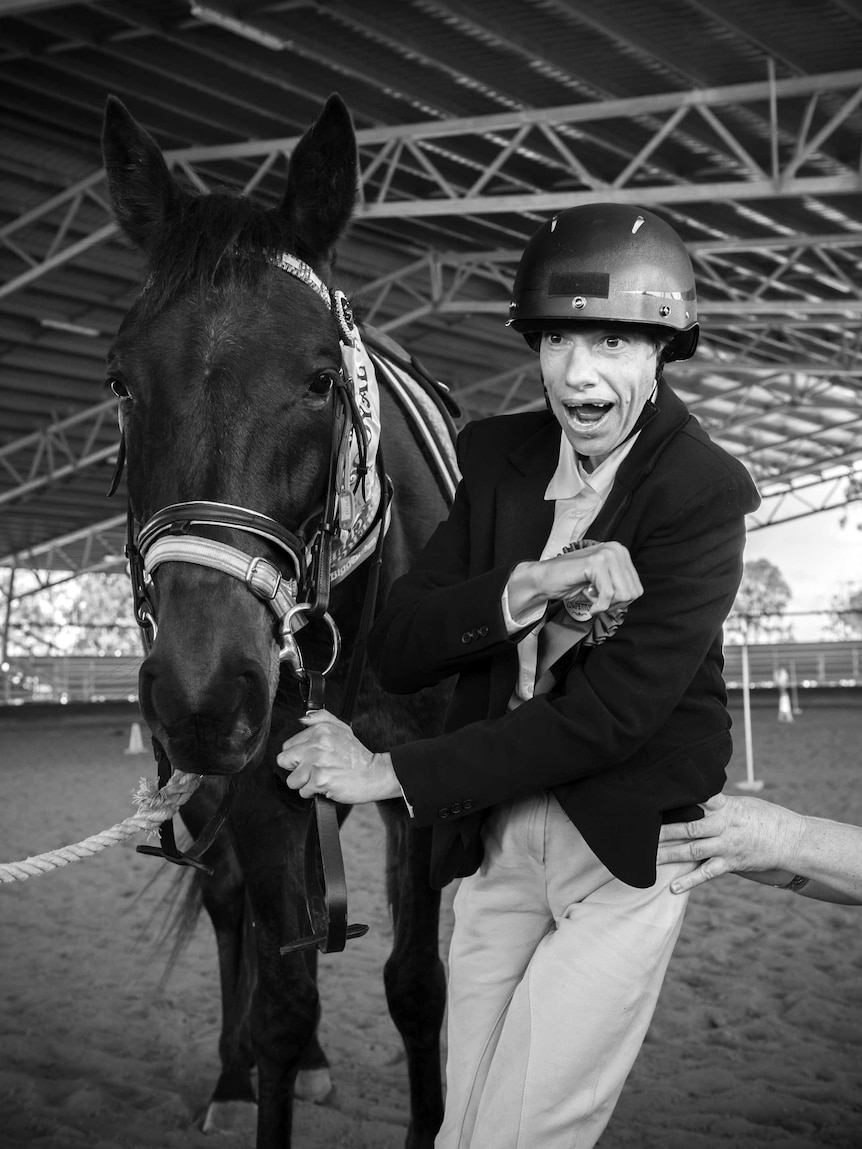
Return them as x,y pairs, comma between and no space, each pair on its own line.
385,151
441,280
99,553
809,496
23,7
59,449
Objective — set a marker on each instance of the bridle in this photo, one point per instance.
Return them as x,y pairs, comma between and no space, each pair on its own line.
316,564
170,536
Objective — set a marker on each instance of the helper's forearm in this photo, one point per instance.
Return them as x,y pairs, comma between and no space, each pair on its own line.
829,854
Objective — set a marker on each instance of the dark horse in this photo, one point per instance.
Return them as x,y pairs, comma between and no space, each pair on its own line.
235,403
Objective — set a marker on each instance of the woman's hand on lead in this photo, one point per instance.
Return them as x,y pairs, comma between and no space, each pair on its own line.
327,758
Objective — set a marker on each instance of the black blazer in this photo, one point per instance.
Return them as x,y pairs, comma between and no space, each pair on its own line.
637,730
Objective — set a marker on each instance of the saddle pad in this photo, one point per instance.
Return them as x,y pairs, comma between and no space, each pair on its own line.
427,406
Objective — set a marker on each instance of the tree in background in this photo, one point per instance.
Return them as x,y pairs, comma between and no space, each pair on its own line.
89,614
852,492
758,611
846,621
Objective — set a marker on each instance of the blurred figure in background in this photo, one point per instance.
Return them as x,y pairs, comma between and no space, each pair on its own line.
785,710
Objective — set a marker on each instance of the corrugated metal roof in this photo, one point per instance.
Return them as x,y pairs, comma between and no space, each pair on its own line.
497,112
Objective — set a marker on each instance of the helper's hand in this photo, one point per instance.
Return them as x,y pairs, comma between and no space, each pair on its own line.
327,758
604,574
736,835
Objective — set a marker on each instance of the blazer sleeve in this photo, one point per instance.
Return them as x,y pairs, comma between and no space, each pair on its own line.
687,549
438,617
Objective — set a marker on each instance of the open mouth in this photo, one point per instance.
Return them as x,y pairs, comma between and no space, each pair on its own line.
588,414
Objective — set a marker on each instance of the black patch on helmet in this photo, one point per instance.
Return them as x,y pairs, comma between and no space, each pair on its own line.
592,283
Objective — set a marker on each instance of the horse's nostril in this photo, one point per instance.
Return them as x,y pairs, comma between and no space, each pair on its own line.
210,718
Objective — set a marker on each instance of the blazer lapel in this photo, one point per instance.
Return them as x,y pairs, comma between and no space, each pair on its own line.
523,515
523,519
671,414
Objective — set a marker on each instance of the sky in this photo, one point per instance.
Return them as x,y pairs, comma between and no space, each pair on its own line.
817,557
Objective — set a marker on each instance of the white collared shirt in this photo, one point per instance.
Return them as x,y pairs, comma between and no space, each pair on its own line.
578,498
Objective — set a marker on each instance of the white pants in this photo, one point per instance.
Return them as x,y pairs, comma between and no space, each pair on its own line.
555,968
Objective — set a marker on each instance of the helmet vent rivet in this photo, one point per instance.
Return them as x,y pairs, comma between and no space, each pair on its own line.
579,303
664,311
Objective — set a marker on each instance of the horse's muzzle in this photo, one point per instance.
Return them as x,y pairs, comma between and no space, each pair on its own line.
214,728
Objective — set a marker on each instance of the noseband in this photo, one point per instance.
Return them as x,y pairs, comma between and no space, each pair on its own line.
171,535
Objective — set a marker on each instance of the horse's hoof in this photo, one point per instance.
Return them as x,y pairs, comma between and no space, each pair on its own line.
231,1117
313,1085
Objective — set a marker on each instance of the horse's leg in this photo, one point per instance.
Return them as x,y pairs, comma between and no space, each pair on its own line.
233,1105
413,975
268,832
313,1081
232,1108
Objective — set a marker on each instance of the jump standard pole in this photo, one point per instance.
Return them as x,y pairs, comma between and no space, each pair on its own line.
750,783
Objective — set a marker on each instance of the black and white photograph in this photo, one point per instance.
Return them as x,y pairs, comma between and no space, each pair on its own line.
430,574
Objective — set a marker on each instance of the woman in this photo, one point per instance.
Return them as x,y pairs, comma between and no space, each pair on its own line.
578,590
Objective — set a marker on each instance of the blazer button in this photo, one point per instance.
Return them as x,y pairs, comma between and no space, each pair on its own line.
483,631
467,636
443,812
467,804
456,807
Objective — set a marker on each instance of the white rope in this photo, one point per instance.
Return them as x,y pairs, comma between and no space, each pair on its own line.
154,807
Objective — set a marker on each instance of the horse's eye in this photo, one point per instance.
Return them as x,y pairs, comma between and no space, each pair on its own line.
322,383
118,387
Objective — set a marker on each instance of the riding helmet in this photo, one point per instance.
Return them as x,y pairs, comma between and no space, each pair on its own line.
607,262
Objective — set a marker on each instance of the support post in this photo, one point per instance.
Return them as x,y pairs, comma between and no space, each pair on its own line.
750,783
794,694
4,640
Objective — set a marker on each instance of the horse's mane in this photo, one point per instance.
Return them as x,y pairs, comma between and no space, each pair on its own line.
212,239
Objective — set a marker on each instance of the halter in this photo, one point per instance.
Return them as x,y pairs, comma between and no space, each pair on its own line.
345,536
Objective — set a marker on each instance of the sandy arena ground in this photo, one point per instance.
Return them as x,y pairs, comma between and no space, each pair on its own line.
757,1040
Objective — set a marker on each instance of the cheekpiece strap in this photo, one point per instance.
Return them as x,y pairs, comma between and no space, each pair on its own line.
356,484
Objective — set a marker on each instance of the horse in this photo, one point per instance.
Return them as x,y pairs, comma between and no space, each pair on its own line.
257,557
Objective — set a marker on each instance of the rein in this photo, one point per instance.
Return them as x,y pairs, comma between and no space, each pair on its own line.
169,536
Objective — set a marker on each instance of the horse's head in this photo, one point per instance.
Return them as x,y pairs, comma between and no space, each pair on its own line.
225,370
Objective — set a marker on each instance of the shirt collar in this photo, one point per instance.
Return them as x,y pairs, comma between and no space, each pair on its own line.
571,479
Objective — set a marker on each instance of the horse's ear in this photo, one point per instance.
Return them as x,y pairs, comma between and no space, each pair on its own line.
141,187
321,180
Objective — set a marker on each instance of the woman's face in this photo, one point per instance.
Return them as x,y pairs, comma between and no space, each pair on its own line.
598,379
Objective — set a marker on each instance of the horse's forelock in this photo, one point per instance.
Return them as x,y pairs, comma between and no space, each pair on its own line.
214,239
